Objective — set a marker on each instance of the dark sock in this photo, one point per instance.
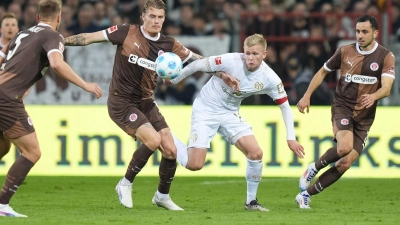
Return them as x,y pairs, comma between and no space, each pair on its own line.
138,161
167,172
15,176
325,180
329,157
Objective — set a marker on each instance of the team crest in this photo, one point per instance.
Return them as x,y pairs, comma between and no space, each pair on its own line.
133,117
344,122
194,137
374,66
258,86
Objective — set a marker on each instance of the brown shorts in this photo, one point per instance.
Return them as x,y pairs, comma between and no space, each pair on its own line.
343,119
14,120
129,117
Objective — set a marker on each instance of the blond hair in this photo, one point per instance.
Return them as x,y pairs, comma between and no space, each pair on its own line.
49,9
256,39
158,4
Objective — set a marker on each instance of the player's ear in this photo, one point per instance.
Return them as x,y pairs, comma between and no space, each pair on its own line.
38,17
376,32
59,18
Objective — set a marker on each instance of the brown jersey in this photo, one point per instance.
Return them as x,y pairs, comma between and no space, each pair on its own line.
360,73
134,75
26,60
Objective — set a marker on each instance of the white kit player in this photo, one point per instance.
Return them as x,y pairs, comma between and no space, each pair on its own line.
216,109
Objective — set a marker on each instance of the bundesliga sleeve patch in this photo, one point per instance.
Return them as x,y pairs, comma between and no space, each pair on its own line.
218,60
112,29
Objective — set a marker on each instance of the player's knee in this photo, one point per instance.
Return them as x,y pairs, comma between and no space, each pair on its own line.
343,165
344,150
169,151
152,141
255,155
194,166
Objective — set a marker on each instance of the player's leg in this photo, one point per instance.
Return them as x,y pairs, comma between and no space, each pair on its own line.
167,171
343,153
168,164
204,126
181,151
343,132
248,144
30,154
5,145
131,120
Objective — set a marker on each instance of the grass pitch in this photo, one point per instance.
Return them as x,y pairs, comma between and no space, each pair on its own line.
206,200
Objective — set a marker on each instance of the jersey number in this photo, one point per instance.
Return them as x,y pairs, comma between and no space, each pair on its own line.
17,43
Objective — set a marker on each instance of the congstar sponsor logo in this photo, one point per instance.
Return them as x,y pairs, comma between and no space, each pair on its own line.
148,64
361,79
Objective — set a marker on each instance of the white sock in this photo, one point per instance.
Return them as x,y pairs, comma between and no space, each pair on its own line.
181,151
162,197
313,166
125,182
253,177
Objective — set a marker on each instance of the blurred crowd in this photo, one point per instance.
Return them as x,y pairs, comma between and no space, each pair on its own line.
301,34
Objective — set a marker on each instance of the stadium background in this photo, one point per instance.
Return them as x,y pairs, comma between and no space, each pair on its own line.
78,138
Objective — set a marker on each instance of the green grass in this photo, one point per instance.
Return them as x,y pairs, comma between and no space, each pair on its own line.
206,200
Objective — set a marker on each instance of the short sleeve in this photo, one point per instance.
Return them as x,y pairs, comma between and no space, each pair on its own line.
54,43
117,33
388,65
222,62
181,51
334,62
275,89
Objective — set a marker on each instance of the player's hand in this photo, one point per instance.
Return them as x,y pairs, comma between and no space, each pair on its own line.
93,88
296,148
167,82
304,103
230,81
367,100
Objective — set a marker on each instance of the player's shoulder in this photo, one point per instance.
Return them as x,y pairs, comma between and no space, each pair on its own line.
166,38
384,50
348,47
234,56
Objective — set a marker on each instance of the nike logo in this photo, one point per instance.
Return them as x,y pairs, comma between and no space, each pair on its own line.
137,45
351,63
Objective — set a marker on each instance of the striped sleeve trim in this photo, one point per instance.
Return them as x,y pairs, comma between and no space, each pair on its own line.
388,75
326,67
189,56
105,35
54,50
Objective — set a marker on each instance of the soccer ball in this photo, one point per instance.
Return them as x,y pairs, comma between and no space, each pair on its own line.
168,65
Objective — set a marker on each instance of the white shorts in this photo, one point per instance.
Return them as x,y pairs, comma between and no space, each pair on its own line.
205,124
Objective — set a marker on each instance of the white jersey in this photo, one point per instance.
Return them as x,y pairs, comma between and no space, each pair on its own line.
217,95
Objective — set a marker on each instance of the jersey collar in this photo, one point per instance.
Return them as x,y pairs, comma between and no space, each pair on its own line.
366,52
43,24
148,36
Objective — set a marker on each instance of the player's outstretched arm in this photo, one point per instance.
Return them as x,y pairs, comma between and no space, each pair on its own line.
85,39
64,70
198,63
304,102
228,79
290,134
